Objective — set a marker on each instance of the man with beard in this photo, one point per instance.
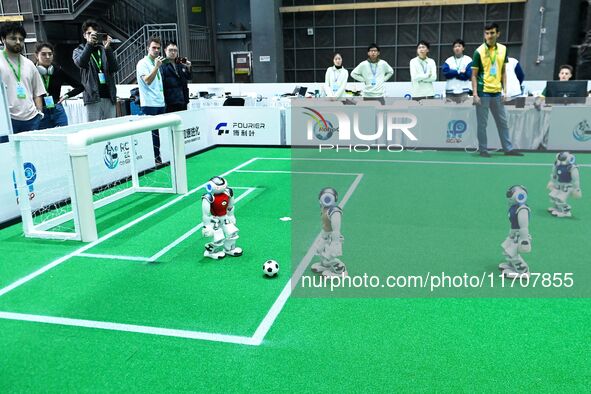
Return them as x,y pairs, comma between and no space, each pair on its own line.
24,86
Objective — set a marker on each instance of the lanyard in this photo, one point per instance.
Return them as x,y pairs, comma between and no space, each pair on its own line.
46,79
154,65
493,60
374,71
17,75
337,74
424,65
458,64
99,62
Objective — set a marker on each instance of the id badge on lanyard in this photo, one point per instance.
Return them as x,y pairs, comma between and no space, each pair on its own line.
21,92
102,78
493,70
49,103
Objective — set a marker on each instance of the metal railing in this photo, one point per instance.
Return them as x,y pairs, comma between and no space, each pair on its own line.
199,43
134,49
49,7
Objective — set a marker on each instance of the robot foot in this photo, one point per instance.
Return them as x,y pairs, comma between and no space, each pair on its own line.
337,269
504,266
214,255
234,252
552,210
319,268
511,273
560,214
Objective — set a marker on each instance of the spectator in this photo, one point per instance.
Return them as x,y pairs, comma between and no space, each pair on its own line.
423,72
488,81
53,78
457,69
24,86
373,72
97,65
151,88
515,78
565,73
175,72
335,79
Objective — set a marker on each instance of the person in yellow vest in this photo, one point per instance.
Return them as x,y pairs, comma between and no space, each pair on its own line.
489,82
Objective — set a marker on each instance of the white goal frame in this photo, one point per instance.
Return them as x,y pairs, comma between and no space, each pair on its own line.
83,206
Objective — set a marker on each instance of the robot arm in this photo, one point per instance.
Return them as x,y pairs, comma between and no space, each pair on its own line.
574,172
552,182
336,238
207,218
524,236
230,210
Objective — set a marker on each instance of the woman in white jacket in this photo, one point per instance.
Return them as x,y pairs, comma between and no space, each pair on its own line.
335,80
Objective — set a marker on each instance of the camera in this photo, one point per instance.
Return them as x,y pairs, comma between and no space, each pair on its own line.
101,37
181,60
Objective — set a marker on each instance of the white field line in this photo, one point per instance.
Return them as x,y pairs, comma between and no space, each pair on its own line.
206,336
299,172
279,303
483,163
84,248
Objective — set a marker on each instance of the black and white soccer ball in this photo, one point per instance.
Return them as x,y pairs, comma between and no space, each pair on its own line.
270,268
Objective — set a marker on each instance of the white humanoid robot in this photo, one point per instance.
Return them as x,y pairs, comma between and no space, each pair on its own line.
519,240
564,182
330,244
219,222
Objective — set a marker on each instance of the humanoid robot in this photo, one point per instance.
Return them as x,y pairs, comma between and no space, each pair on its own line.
219,222
330,244
564,182
519,240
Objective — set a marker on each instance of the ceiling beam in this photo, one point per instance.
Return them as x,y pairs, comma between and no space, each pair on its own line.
389,4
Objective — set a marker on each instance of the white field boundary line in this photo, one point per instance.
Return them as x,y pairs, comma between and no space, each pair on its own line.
241,340
421,162
84,248
279,303
299,172
167,248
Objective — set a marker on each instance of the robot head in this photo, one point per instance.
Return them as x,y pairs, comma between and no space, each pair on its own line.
216,185
565,158
328,197
517,194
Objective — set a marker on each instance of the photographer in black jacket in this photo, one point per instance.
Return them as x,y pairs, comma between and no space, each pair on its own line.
176,72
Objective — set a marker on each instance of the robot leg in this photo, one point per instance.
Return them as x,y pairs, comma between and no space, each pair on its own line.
215,250
230,237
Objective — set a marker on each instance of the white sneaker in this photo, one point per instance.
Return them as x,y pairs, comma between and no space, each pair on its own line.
214,255
234,252
560,214
338,269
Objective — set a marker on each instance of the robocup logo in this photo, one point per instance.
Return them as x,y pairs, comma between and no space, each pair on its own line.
320,128
455,131
582,131
119,154
30,178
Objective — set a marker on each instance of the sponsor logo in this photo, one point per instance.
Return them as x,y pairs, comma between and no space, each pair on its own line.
30,173
455,131
582,131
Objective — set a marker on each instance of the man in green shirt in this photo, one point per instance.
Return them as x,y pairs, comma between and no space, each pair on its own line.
488,82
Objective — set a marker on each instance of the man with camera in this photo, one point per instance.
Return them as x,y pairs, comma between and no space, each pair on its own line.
149,82
176,72
97,65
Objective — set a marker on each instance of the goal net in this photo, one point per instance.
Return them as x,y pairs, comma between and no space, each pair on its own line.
68,173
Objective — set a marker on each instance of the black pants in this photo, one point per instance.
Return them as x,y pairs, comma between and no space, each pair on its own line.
176,107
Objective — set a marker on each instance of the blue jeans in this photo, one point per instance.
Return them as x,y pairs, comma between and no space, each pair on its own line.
494,101
18,126
155,134
54,117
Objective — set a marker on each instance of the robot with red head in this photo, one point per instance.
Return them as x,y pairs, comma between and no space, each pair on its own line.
219,222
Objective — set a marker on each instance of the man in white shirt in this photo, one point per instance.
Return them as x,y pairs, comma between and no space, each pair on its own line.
151,88
373,72
458,72
24,86
423,72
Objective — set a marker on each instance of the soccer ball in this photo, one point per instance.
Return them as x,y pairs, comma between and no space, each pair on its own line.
270,268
